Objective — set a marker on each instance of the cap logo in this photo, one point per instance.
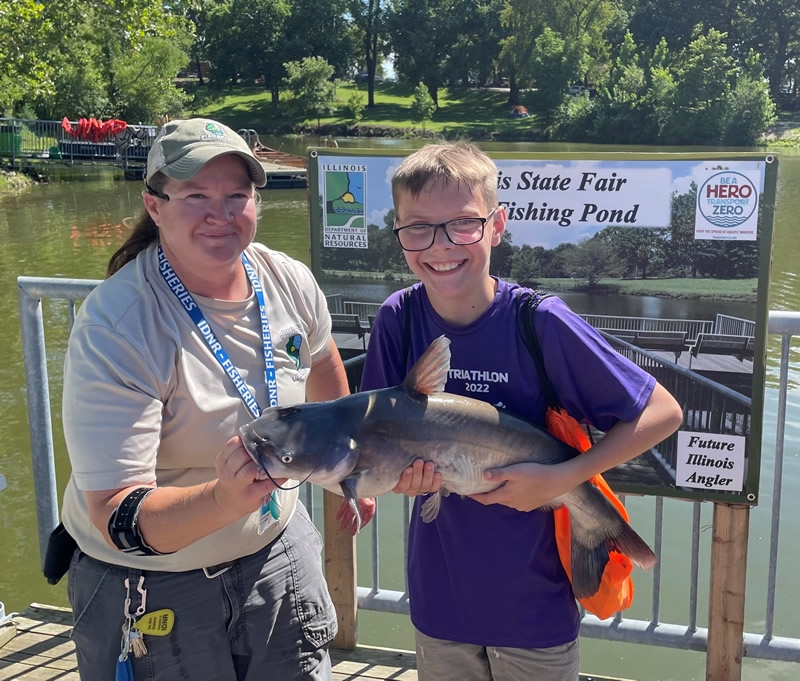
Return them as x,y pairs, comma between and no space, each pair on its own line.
214,130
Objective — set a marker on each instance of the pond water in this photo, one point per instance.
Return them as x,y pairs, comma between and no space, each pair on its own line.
71,226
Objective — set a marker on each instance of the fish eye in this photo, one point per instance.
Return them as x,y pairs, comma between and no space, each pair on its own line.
287,458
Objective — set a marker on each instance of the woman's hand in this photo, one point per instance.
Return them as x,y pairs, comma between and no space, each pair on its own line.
241,485
419,478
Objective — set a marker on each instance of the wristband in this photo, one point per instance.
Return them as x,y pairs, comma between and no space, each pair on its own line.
123,528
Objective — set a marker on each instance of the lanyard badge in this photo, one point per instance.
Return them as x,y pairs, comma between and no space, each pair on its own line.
270,507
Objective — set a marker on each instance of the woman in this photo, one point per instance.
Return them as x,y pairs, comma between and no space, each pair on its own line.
189,564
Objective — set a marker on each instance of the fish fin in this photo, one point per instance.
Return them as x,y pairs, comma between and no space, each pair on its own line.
430,509
348,486
429,374
588,563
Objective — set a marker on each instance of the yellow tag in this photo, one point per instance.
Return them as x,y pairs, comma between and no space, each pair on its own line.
156,623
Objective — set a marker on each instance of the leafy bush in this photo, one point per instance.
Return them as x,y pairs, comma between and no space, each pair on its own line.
574,119
313,91
423,106
355,106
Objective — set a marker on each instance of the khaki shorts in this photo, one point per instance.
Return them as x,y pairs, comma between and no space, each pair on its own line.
439,660
267,616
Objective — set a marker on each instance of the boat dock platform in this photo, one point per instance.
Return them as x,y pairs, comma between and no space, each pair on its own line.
37,647
32,145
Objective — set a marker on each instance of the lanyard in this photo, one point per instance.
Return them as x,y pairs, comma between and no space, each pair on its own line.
185,297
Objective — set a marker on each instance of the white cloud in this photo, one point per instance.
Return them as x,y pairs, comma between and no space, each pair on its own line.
376,217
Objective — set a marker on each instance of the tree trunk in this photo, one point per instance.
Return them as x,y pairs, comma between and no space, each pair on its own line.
513,91
199,70
276,93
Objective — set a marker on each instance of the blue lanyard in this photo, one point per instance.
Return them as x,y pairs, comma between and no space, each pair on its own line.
185,297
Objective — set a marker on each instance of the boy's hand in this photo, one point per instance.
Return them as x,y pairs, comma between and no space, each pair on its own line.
419,478
347,519
524,486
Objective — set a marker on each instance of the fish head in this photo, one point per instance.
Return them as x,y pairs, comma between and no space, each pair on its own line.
301,442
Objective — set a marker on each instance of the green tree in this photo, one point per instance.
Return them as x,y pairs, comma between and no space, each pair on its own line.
638,248
557,60
525,266
704,73
591,260
521,24
474,51
750,108
682,246
320,28
313,91
660,98
623,115
421,38
25,72
244,39
355,105
423,106
502,254
115,58
369,24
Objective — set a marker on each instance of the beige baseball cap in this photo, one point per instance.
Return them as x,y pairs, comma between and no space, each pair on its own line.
183,147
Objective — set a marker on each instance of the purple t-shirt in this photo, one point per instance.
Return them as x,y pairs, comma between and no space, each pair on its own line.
491,575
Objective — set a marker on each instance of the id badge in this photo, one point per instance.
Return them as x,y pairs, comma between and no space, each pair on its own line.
270,511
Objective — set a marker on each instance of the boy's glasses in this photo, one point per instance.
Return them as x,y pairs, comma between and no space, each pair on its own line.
461,232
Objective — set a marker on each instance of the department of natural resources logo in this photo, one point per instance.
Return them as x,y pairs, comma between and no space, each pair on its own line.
727,199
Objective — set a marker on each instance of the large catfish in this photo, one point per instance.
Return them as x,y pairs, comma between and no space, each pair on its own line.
359,445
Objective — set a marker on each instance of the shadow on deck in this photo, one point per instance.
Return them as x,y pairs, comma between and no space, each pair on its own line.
42,649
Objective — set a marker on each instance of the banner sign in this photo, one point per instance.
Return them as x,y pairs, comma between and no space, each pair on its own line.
667,255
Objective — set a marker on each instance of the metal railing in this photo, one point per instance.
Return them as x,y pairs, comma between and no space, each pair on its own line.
691,326
373,596
734,326
22,138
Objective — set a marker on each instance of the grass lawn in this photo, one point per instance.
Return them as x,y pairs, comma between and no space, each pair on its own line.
478,112
741,290
714,289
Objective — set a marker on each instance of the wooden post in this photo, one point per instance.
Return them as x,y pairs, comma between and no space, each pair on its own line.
340,573
726,600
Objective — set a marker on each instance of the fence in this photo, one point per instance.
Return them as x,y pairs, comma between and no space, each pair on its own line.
691,326
733,326
724,640
22,138
723,324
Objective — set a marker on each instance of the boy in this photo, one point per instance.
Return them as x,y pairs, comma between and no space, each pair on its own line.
489,598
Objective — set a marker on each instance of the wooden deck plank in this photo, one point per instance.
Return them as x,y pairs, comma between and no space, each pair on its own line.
43,651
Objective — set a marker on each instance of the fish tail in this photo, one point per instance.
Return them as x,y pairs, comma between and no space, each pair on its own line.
589,562
627,541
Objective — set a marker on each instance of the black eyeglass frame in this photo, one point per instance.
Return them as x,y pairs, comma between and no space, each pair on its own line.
443,227
154,192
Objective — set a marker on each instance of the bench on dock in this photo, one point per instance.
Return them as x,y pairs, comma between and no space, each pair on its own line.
670,341
349,323
627,335
740,347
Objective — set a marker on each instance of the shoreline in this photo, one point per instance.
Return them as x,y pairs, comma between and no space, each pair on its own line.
13,182
610,287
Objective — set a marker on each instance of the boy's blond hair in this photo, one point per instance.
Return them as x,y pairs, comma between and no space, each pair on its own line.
446,162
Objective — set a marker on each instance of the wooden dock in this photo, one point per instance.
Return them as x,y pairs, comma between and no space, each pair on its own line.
37,647
284,170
